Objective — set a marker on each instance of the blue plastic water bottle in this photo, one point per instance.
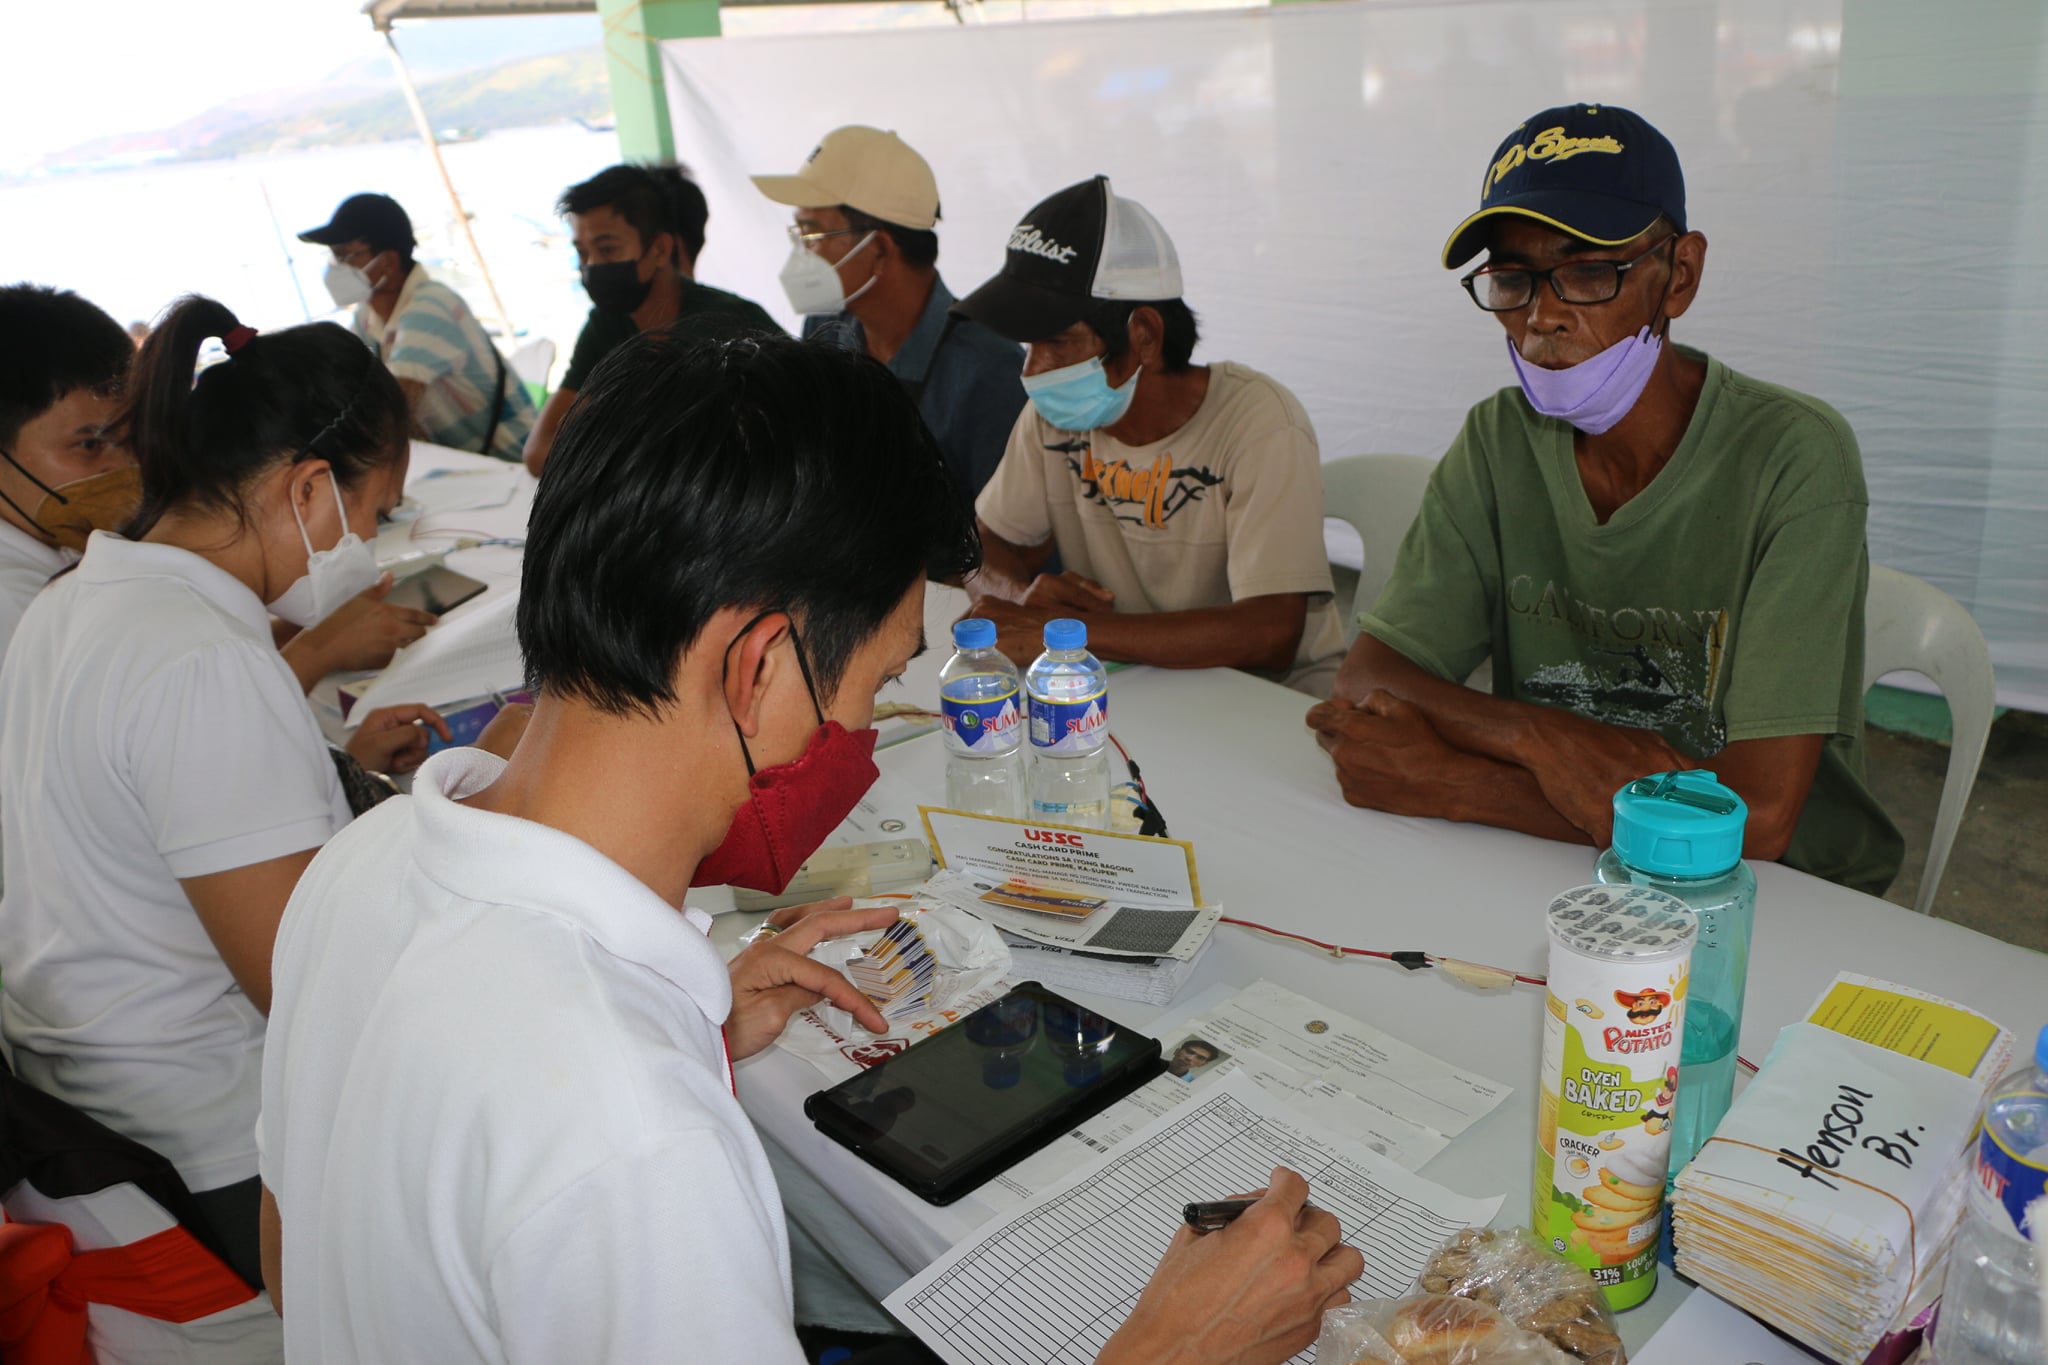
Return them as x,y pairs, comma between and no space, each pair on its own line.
1991,1312
1682,834
1069,691
983,706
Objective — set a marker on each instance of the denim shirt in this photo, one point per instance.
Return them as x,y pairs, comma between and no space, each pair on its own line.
968,382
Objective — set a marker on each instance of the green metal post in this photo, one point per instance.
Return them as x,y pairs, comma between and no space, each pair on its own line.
633,32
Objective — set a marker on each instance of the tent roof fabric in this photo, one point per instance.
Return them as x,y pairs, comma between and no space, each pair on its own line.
382,12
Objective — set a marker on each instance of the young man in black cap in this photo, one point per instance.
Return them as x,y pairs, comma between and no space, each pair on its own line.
638,231
458,387
863,269
1663,558
1185,501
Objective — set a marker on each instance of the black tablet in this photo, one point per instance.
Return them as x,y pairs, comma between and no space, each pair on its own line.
964,1105
436,589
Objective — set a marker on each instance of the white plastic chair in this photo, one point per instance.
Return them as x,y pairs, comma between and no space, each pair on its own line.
533,361
1377,496
1914,627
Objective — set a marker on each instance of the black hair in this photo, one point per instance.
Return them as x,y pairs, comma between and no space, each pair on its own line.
653,199
307,392
404,249
759,473
687,211
1111,320
918,246
52,343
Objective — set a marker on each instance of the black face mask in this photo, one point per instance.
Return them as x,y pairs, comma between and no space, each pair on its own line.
616,286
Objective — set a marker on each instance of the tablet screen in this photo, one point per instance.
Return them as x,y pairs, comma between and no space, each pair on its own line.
972,1099
434,589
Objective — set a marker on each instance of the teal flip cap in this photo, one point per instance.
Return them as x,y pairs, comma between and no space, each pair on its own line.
1683,824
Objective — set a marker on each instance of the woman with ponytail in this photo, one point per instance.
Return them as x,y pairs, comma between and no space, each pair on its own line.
162,780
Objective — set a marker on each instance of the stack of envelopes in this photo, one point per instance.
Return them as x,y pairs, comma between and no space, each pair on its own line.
1825,1201
897,971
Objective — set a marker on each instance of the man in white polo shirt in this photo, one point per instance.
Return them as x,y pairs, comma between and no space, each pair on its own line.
499,1117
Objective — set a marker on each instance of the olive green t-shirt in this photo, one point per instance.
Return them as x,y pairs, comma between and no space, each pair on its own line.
1724,602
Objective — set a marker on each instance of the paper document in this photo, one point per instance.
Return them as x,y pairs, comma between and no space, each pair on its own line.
465,490
1050,1284
1124,867
469,654
887,810
1340,1073
1099,925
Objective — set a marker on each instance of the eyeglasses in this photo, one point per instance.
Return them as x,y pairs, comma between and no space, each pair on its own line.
809,240
1502,289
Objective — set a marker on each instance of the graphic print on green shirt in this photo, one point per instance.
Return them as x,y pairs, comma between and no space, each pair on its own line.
1722,603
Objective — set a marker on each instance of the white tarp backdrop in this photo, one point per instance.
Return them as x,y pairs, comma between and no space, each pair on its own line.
1872,176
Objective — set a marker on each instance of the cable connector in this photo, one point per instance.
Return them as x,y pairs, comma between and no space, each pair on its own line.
1414,962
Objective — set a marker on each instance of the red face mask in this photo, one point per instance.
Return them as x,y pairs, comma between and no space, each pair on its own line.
792,807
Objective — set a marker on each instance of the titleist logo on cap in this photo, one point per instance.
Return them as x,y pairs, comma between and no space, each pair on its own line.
1032,242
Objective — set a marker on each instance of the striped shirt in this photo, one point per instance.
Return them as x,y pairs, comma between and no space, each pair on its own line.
433,338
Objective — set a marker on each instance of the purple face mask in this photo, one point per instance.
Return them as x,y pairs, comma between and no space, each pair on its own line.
1597,392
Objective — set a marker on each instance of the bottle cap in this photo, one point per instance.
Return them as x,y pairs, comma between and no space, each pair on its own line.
974,633
1066,633
1682,824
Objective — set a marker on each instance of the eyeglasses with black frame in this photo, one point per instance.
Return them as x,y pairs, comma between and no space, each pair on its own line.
1502,289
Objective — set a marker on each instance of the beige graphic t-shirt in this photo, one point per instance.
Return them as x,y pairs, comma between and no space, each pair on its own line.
1227,508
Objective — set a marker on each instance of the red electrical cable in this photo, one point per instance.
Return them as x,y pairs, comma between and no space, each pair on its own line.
1340,950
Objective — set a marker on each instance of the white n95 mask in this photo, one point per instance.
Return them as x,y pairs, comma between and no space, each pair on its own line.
348,285
812,282
332,576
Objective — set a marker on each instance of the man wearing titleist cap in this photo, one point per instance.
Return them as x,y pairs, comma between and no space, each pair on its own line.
457,386
863,269
1185,501
1663,558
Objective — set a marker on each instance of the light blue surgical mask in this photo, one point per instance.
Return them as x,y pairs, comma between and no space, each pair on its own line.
1079,397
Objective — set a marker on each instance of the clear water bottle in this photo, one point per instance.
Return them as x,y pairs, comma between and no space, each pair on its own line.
1069,690
1682,834
1991,1312
982,704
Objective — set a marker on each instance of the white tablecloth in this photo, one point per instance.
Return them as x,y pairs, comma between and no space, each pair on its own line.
1234,770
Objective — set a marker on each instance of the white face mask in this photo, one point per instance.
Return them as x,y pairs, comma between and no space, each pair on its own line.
812,282
347,284
331,576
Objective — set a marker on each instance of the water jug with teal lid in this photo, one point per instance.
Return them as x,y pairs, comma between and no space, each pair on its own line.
1682,834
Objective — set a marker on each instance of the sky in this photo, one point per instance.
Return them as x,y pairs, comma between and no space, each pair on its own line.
121,66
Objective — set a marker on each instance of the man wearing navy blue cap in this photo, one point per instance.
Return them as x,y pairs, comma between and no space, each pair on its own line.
1663,558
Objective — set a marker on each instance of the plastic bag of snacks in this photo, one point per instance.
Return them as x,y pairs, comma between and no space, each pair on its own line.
1489,1296
1538,1292
1432,1329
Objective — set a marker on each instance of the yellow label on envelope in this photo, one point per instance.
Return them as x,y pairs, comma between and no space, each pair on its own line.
1934,1031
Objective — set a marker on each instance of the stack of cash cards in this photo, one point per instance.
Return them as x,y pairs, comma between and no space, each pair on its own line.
897,971
1825,1201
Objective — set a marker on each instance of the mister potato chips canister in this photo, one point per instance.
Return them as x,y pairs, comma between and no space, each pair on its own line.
1619,957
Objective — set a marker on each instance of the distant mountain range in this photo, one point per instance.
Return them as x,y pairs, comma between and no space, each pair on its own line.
361,103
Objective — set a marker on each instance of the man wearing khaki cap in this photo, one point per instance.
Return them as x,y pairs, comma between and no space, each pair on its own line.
863,270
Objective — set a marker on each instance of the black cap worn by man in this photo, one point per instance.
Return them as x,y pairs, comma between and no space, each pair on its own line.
376,220
1600,173
1083,245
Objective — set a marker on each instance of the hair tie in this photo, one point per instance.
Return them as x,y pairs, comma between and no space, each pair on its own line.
236,338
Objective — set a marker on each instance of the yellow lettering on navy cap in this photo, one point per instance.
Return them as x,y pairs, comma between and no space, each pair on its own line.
1549,145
